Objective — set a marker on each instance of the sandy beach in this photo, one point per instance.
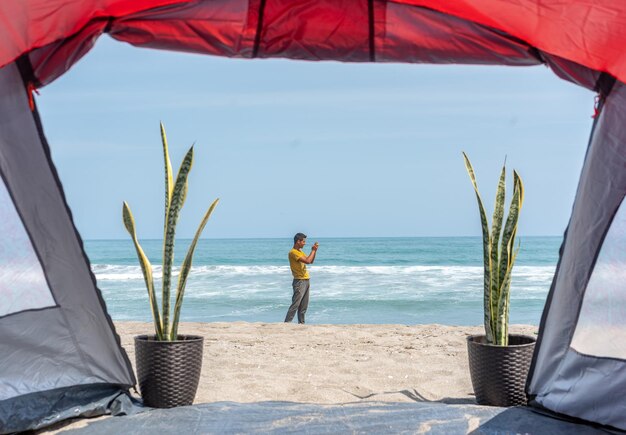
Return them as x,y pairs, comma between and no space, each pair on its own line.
325,364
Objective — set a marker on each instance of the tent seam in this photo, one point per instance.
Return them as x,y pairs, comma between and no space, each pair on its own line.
29,310
26,74
259,29
46,149
588,278
549,298
26,229
371,28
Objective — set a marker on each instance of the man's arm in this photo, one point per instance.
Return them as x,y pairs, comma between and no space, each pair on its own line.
311,257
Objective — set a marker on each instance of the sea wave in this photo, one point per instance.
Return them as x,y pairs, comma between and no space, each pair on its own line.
422,280
108,272
340,294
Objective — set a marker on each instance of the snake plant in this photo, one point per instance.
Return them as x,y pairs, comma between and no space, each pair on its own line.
498,255
175,195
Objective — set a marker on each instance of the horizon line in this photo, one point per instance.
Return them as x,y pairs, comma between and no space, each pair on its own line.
319,237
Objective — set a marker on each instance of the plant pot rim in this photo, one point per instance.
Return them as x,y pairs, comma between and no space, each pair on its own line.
475,339
185,338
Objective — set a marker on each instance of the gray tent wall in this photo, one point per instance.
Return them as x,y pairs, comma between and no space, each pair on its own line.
59,354
563,378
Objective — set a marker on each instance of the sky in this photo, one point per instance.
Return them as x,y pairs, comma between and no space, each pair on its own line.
326,148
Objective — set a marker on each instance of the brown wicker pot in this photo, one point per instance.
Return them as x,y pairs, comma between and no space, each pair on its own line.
499,372
168,372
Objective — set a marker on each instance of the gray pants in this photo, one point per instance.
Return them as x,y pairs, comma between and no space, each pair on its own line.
299,301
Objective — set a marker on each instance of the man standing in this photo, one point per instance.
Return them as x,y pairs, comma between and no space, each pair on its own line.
298,261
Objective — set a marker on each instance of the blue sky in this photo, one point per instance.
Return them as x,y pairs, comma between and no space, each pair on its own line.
327,148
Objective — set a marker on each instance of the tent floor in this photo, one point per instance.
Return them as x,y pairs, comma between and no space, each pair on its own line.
362,417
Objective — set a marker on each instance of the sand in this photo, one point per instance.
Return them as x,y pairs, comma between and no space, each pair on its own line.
250,362
326,364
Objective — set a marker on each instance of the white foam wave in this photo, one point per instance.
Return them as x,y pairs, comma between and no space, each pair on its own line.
433,274
112,272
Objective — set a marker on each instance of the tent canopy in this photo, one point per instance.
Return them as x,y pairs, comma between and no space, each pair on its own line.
591,34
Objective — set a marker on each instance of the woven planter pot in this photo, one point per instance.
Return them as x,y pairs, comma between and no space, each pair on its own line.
168,372
499,372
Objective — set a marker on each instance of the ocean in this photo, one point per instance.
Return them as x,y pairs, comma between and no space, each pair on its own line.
408,281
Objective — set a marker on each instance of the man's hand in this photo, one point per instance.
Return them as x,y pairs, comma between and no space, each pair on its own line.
315,246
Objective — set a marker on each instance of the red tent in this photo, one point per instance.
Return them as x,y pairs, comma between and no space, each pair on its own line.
578,370
56,34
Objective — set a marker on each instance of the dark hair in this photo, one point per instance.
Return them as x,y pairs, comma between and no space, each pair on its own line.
299,236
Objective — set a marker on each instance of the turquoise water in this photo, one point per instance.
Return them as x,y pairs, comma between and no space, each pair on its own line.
354,280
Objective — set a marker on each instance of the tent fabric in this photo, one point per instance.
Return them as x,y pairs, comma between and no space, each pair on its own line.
581,41
63,337
598,329
20,266
588,386
365,417
39,410
29,24
590,34
322,30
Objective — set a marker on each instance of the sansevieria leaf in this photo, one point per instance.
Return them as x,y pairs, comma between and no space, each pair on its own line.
487,295
510,228
170,233
169,181
498,254
169,188
175,196
185,188
504,303
184,271
496,227
146,269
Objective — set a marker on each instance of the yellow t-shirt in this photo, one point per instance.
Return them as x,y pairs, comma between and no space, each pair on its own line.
298,268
